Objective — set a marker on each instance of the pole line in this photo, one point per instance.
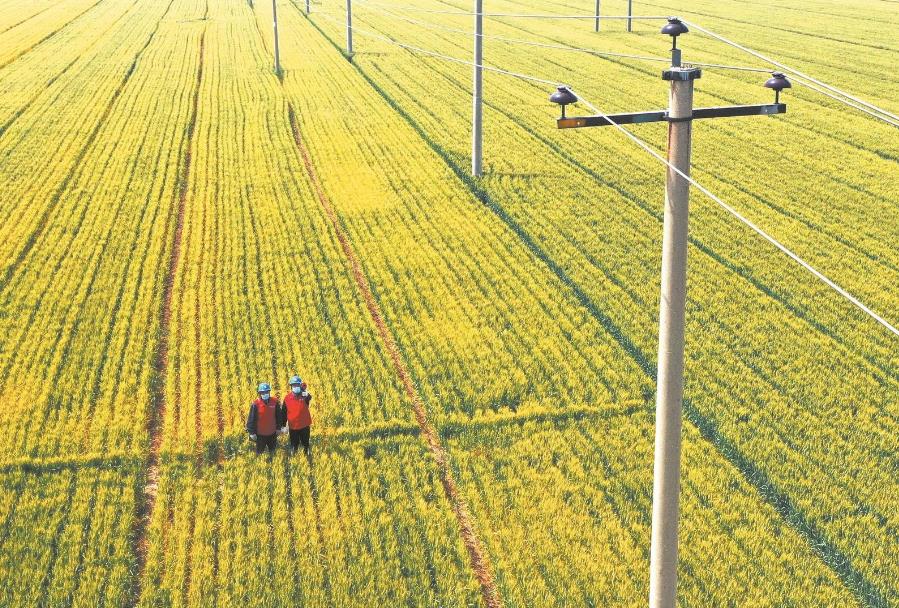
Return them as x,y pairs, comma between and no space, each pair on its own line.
428,52
477,90
275,31
563,47
783,248
798,80
349,30
794,71
672,322
521,15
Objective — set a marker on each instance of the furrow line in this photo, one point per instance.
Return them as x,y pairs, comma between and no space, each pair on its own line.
76,164
160,364
866,592
479,561
50,35
98,37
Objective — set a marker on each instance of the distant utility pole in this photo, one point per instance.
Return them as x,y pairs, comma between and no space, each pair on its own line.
275,29
630,12
670,377
596,12
349,29
477,89
307,7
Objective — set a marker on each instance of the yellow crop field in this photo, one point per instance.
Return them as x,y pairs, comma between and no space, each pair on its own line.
180,222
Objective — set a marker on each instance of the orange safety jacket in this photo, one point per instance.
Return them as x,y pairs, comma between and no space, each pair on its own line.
298,416
265,417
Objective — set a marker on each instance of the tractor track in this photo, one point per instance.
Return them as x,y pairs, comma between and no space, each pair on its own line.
830,555
156,414
219,412
48,36
26,19
32,238
98,38
480,563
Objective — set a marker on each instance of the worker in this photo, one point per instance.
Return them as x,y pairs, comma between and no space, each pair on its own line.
266,420
298,417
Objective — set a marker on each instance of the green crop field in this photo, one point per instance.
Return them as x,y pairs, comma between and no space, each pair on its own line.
179,222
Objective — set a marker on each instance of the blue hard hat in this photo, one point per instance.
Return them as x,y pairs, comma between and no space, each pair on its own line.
264,388
294,380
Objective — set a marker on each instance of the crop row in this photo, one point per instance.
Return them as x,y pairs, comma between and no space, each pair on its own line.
829,442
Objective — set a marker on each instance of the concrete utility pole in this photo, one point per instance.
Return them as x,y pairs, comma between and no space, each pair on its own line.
477,89
630,12
670,377
349,29
596,12
307,7
670,391
275,29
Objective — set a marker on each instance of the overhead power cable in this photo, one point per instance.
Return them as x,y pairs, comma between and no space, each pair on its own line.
780,246
519,15
783,248
562,47
875,111
431,53
798,80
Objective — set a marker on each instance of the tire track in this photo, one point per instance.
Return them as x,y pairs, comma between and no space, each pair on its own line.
49,35
97,39
60,529
829,553
219,413
32,238
29,18
480,563
64,339
291,527
157,408
320,531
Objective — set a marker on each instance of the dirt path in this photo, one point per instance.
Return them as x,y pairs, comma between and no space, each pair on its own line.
160,362
480,563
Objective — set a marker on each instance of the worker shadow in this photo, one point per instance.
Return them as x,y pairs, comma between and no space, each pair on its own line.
237,444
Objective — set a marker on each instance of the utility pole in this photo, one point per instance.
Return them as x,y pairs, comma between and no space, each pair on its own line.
275,29
596,12
307,7
630,12
477,89
349,29
672,302
670,389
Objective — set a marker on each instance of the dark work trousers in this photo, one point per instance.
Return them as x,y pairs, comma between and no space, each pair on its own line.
297,436
264,442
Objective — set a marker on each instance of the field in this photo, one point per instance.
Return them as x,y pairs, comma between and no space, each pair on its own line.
179,223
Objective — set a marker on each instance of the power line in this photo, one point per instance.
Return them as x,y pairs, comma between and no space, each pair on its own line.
780,246
416,49
519,15
563,47
798,80
796,72
435,26
783,248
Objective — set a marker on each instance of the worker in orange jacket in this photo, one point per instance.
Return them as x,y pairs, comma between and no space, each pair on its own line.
296,404
266,420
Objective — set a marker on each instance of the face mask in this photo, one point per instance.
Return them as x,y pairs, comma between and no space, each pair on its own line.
296,389
265,396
